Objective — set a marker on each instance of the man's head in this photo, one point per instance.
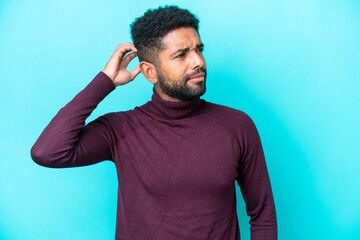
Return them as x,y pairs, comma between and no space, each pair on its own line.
170,52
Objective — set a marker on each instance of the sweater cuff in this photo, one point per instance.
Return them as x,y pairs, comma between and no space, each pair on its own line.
100,86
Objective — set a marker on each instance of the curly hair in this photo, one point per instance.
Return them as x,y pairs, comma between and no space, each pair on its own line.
147,31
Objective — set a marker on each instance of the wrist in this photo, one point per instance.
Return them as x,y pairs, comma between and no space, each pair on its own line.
108,75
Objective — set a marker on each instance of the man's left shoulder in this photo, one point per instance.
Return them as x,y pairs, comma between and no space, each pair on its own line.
225,111
231,118
228,116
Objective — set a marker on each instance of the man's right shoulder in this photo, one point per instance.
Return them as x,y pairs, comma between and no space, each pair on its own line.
121,123
117,116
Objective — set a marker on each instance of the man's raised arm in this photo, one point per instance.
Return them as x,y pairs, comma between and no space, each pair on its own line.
66,141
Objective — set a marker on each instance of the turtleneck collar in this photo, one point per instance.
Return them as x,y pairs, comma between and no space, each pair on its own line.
167,110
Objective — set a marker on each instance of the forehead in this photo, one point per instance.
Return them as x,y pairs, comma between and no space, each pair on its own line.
181,38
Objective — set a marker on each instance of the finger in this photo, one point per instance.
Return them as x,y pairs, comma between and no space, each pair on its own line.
135,72
120,46
121,52
125,44
125,62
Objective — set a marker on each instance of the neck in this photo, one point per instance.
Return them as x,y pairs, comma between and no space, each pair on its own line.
165,110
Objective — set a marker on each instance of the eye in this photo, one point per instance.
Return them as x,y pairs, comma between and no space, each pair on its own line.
180,55
201,49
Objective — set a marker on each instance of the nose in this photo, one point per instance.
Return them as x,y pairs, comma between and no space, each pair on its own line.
198,60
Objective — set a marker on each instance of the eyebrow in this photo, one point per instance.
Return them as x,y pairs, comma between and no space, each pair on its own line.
182,50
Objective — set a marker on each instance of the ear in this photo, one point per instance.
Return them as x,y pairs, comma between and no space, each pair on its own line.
148,70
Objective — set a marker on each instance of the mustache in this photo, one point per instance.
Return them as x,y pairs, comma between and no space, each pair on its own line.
199,70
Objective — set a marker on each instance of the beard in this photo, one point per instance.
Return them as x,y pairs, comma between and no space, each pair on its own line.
179,89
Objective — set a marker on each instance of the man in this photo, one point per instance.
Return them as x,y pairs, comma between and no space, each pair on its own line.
177,156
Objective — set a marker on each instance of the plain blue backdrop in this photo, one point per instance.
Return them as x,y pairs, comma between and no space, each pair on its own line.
293,66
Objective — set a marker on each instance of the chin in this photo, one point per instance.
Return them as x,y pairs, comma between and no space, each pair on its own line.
200,92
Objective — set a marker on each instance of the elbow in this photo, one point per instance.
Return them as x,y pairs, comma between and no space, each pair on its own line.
264,227
38,155
41,157
264,215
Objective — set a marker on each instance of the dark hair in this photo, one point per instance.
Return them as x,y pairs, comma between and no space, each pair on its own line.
147,31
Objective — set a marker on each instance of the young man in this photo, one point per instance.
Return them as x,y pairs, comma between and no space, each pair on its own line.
177,156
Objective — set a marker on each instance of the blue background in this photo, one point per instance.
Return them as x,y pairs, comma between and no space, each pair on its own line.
293,66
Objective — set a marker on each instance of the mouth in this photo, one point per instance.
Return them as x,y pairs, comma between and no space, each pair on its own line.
197,78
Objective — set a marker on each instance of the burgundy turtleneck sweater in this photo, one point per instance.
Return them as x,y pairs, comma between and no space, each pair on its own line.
176,162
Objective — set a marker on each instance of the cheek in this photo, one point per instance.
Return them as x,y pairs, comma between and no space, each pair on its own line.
176,70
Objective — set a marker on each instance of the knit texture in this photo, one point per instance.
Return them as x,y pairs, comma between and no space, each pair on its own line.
177,164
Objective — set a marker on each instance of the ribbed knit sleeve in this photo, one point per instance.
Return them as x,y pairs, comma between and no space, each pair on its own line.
254,183
66,141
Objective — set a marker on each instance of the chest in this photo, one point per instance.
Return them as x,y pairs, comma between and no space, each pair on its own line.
185,158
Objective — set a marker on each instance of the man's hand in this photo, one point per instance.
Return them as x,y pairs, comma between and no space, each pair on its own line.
116,66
